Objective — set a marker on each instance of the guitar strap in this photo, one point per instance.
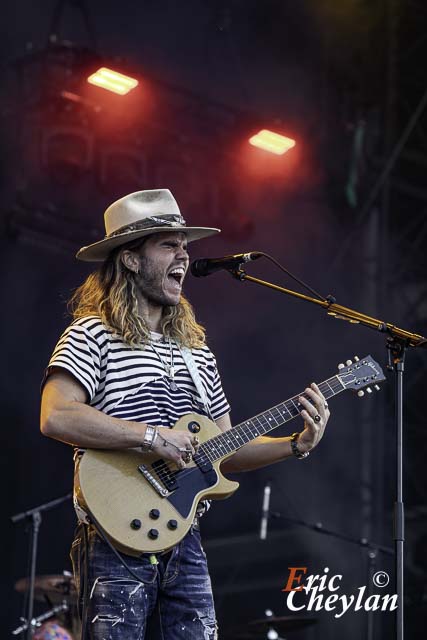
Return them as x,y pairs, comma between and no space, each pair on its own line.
194,373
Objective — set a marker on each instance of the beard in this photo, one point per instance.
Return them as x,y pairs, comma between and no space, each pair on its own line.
151,284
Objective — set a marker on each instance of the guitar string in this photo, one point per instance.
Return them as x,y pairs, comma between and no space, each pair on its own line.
210,455
329,393
262,419
164,467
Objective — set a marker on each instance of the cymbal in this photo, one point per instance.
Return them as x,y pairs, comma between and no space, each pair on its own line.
282,624
55,588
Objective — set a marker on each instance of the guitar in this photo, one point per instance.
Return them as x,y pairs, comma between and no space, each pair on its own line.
145,504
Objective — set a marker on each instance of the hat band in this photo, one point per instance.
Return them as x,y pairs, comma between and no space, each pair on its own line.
165,221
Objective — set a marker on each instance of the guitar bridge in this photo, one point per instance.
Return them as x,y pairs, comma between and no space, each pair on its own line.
153,481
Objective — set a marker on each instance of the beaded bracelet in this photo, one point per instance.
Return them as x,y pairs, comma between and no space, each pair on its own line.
294,447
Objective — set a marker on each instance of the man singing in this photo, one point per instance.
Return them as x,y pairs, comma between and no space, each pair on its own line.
134,361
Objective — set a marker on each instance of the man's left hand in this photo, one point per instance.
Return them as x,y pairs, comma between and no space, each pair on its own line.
316,415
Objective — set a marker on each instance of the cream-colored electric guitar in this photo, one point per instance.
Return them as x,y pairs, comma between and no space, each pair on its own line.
145,504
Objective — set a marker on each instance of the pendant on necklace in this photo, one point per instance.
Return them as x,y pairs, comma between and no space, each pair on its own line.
171,376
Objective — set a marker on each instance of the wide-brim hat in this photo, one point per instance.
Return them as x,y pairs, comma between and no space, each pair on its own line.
137,215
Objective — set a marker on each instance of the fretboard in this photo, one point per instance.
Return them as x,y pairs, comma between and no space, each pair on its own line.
225,443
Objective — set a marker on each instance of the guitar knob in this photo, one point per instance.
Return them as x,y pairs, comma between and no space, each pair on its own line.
153,534
172,524
376,387
360,393
193,426
349,362
341,365
368,389
154,514
356,358
136,524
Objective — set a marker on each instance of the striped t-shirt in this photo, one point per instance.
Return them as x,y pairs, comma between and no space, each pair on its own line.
133,384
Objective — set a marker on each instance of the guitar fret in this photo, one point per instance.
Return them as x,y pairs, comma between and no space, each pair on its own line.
244,434
221,444
229,441
340,383
324,389
329,390
293,411
276,410
227,444
204,452
330,386
263,426
207,450
256,433
271,417
290,414
203,455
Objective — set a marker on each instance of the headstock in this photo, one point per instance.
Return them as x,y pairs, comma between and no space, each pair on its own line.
361,374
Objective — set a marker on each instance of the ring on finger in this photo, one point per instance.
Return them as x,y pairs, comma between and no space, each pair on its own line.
326,405
317,418
188,457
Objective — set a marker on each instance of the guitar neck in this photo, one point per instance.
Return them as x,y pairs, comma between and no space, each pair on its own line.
230,441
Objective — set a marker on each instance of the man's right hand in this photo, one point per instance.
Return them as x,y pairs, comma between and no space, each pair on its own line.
177,446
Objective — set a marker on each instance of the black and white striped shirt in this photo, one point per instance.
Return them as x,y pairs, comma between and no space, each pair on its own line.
132,384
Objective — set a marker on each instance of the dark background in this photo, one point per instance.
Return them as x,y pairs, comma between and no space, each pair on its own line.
345,210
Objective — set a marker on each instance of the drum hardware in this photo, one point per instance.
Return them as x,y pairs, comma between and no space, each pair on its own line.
39,620
60,593
34,517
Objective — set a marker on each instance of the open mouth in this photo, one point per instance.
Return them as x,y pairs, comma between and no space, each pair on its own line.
177,276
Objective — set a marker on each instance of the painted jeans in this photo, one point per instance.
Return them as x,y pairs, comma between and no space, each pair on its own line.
174,602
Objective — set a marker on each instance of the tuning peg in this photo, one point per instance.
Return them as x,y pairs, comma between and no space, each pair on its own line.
356,358
360,393
376,387
349,362
341,365
368,389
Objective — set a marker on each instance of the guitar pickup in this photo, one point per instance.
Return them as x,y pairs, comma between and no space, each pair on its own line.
203,463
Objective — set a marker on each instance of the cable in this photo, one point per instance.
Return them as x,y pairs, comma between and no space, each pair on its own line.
291,275
102,534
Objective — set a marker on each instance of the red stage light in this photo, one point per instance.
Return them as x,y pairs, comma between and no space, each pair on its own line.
272,142
112,81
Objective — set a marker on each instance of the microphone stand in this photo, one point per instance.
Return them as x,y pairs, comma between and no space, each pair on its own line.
34,515
398,341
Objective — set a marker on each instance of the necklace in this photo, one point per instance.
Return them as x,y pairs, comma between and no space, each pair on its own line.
168,366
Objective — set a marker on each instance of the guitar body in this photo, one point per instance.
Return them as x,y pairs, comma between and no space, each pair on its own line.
126,500
145,504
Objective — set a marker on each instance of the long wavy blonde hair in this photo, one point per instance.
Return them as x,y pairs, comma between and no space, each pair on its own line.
110,292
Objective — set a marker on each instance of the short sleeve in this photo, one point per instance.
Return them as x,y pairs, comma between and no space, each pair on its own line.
78,352
219,405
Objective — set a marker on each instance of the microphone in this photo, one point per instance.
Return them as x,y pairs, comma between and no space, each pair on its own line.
206,266
265,512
